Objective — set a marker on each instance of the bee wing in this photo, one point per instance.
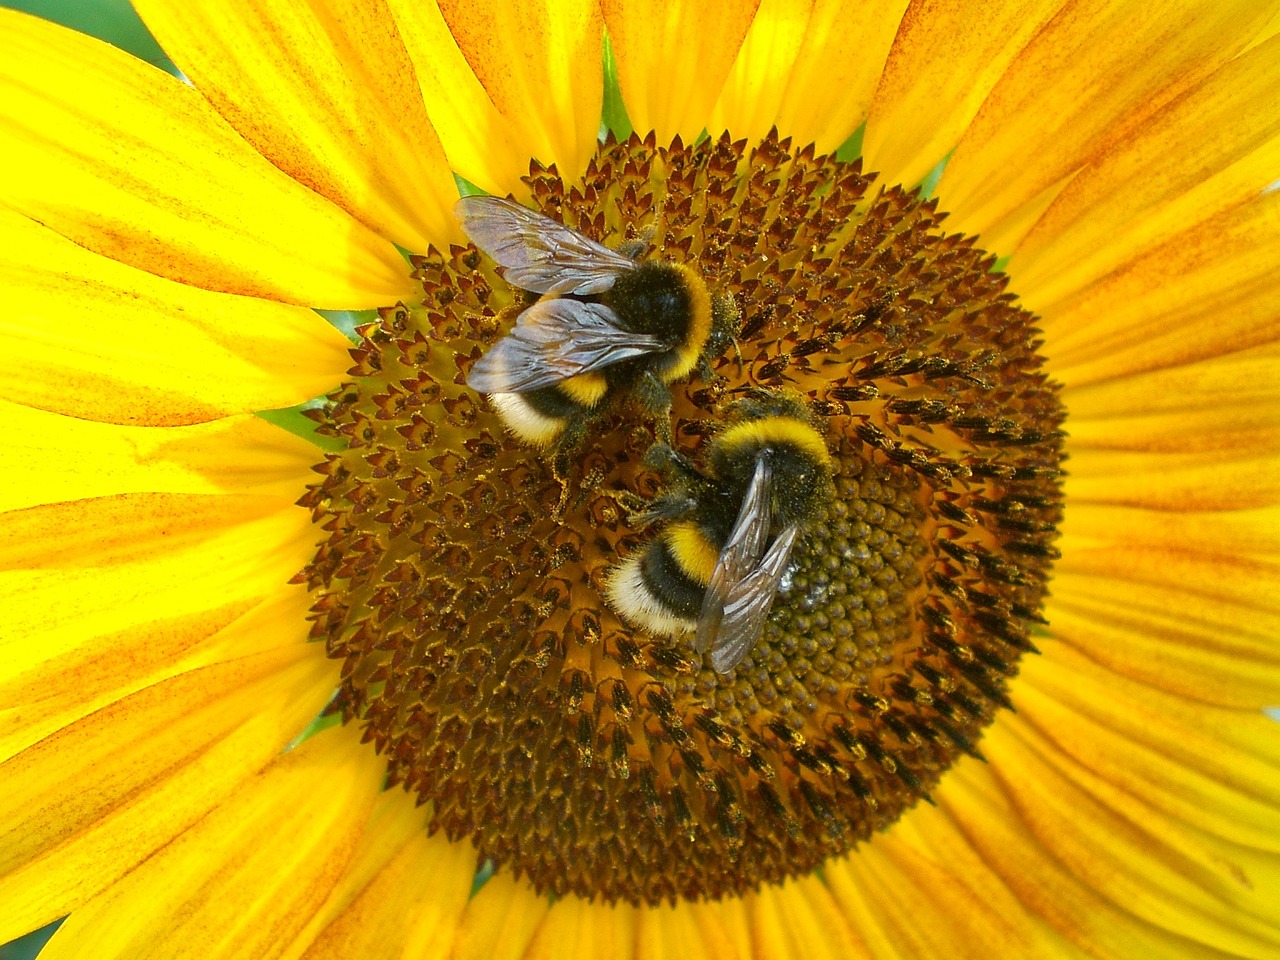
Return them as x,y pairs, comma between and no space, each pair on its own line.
554,340
738,557
749,604
538,253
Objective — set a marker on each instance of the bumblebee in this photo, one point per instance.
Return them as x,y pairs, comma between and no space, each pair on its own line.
716,567
607,324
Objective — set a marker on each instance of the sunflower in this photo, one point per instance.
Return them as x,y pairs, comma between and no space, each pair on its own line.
306,655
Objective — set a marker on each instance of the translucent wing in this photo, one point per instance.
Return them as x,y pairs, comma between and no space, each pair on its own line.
554,340
738,557
749,603
538,253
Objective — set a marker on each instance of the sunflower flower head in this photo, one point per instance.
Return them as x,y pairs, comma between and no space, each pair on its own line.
461,582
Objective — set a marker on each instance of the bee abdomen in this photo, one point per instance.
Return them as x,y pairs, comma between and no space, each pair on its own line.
651,590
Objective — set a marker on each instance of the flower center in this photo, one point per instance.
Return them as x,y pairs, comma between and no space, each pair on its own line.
464,577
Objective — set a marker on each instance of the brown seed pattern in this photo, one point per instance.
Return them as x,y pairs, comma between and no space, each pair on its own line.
460,581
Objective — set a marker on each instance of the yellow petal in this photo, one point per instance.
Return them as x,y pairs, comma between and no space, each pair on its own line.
1177,614
62,458
134,164
96,672
679,933
748,104
944,61
1049,114
76,579
398,914
1209,767
394,827
1267,32
92,801
1166,175
327,93
795,70
1244,534
715,930
1160,650
1223,408
673,58
1206,292
479,142
1192,481
888,885
1128,853
500,921
1076,905
828,93
89,337
577,929
248,877
539,63
1238,387
802,920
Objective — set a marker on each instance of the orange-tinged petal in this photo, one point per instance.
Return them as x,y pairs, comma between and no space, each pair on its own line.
1227,406
944,61
802,920
1236,533
1128,853
479,142
89,337
678,933
63,458
247,878
539,63
81,677
500,921
1209,767
795,70
1156,614
1219,583
1049,114
94,572
1209,291
1194,660
725,925
1166,175
673,58
397,913
393,828
1192,481
88,803
134,164
1078,909
716,930
577,929
1236,386
887,886
326,92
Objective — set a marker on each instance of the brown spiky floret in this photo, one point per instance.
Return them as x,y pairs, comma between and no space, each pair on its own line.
460,583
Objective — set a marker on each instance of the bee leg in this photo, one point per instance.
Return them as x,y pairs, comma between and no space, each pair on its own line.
664,458
630,502
656,397
667,507
562,461
590,484
726,320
